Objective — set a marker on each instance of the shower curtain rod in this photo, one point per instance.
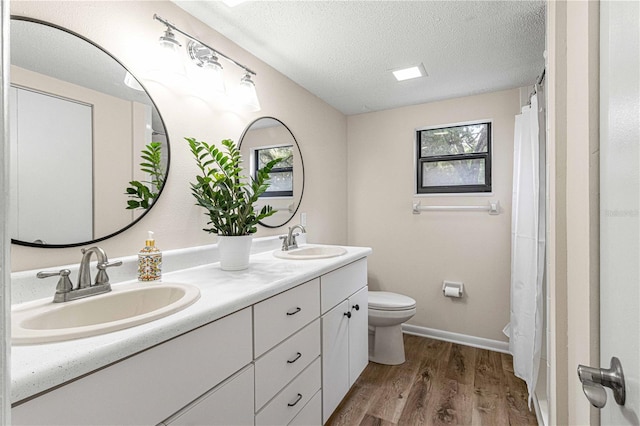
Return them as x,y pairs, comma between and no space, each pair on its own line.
537,83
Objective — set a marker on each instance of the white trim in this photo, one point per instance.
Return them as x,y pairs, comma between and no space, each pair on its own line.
5,246
542,413
463,339
458,124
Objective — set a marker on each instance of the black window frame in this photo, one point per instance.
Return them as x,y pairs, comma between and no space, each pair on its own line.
454,189
276,169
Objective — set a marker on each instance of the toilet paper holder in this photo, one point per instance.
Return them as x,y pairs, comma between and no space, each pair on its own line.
452,289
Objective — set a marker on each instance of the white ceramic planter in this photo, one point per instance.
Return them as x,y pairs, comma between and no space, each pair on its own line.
234,252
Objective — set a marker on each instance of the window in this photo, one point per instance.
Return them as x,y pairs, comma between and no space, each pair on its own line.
281,176
454,159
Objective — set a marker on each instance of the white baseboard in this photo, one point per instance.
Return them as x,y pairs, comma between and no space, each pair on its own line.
463,339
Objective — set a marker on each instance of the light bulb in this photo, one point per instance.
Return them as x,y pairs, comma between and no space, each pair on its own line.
169,59
247,96
214,75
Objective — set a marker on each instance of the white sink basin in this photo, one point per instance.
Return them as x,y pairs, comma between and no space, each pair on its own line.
310,252
127,305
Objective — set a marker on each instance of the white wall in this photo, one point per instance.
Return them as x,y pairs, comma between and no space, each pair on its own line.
413,254
128,32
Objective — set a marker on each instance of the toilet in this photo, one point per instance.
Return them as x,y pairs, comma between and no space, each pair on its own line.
387,312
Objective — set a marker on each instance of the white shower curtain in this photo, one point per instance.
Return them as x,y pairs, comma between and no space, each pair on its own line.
527,247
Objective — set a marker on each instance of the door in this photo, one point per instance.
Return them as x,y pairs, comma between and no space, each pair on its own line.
52,155
620,202
335,358
358,334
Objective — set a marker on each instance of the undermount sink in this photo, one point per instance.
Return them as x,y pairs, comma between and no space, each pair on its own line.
127,305
311,252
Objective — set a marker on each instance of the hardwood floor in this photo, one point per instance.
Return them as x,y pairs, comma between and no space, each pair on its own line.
441,383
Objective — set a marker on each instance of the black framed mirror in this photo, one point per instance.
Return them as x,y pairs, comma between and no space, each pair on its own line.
89,149
267,138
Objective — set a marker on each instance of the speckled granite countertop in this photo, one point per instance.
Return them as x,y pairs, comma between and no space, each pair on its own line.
36,368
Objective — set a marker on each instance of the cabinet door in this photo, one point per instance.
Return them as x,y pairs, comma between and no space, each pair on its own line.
335,358
358,334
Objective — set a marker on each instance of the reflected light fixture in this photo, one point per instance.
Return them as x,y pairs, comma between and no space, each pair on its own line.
132,83
207,58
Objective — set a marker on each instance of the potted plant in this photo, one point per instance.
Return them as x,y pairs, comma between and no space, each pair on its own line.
229,198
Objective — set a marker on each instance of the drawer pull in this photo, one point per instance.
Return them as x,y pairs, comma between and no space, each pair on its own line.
347,314
291,361
298,309
356,307
291,404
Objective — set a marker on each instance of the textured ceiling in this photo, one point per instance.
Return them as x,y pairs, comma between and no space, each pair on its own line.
343,51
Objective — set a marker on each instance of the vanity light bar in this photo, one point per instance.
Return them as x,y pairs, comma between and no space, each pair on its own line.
192,38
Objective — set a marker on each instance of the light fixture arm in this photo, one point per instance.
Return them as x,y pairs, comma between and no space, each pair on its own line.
190,37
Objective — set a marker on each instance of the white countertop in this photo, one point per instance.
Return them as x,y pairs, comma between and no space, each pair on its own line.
36,368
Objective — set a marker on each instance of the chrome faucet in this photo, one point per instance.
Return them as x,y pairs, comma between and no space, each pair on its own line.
289,241
84,276
65,290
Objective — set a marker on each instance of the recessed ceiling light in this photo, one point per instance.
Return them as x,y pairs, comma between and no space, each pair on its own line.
232,3
409,73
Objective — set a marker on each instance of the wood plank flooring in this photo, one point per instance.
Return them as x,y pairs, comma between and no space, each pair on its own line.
441,383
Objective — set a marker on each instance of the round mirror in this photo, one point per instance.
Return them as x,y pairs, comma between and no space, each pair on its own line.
89,150
263,140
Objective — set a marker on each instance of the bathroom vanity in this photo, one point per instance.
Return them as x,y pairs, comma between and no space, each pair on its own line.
279,343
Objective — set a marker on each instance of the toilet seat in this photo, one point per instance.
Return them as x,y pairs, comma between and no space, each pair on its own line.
387,301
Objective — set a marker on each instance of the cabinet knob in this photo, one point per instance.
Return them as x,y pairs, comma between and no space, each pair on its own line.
347,314
356,307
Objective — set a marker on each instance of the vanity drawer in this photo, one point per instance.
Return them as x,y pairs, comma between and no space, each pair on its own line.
342,283
311,414
228,404
284,362
288,403
279,317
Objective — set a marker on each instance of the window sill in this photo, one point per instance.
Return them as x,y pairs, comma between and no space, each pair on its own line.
456,194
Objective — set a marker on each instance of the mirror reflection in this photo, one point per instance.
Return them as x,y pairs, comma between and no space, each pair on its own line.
89,151
263,140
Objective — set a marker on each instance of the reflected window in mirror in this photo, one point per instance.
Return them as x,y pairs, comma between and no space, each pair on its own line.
81,135
281,176
267,138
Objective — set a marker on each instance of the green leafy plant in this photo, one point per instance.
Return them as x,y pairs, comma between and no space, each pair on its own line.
142,194
224,192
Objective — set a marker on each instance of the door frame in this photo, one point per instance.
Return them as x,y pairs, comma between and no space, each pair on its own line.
573,170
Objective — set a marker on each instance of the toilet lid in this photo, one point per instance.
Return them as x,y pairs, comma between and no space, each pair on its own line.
387,301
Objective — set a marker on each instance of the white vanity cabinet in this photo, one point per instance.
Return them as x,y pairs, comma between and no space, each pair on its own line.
344,332
285,359
152,385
